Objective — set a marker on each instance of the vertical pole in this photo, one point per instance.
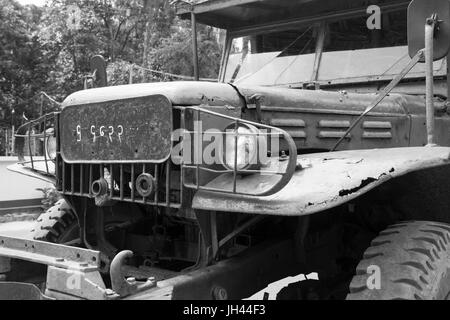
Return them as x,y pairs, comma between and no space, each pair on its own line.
6,142
41,113
194,44
214,238
321,30
41,108
448,76
12,132
429,35
226,52
131,73
13,140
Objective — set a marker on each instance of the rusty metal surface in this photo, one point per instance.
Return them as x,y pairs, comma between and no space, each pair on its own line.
131,130
236,278
252,269
279,171
77,180
326,180
120,285
73,273
317,119
382,95
49,253
30,141
178,92
320,101
73,284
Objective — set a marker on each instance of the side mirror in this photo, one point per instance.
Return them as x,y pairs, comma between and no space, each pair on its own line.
418,13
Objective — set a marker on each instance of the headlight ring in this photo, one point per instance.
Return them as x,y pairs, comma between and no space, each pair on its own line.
251,143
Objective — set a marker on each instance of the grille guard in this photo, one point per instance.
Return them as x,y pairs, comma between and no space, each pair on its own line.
289,162
26,138
278,178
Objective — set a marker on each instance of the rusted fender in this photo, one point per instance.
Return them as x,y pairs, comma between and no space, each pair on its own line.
325,180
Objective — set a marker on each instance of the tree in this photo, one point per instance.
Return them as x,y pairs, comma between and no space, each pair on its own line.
159,17
174,52
48,49
19,57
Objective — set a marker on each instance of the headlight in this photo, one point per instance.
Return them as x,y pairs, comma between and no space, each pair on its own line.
249,142
50,145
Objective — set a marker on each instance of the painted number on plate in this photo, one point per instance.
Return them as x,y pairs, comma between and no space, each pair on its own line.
110,132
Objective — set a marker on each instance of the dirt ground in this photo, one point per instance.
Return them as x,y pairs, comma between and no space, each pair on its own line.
21,216
18,224
15,186
17,191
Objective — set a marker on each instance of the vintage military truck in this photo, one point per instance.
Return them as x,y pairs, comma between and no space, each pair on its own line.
324,147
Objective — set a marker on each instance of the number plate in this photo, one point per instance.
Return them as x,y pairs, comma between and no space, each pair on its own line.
131,130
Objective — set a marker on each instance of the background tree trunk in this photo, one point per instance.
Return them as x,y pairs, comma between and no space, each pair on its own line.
147,32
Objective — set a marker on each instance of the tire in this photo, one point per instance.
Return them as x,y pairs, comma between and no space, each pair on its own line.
413,260
58,224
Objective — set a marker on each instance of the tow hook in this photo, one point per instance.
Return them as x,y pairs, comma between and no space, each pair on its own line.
120,285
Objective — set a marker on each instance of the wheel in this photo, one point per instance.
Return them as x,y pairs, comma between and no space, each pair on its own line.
412,260
58,225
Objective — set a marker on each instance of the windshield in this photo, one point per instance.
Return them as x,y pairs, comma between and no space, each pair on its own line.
327,53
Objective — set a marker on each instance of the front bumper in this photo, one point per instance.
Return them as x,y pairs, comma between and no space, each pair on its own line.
21,291
73,273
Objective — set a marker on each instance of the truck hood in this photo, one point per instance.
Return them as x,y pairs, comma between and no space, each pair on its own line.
188,93
331,102
182,93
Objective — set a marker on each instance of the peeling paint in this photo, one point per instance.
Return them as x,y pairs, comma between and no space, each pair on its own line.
364,183
326,180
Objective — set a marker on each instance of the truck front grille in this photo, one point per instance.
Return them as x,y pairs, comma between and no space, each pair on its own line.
77,178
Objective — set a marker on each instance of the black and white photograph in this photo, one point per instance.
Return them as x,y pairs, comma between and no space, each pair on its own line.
247,151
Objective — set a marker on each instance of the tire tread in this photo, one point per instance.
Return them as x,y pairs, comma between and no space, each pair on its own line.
412,257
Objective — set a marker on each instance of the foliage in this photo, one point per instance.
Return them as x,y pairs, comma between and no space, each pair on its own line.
51,196
19,58
48,49
174,53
